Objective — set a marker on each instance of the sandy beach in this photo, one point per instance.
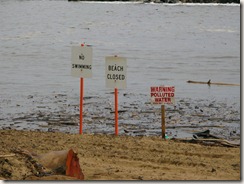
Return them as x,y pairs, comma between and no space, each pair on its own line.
164,45
109,157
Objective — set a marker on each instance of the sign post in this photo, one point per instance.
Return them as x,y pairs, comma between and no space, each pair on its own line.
81,66
81,103
163,95
163,121
116,111
115,73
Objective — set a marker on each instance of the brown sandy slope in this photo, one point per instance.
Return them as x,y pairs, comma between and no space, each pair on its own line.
106,157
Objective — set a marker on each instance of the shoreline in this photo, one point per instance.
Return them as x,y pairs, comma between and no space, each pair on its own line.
167,1
108,157
137,116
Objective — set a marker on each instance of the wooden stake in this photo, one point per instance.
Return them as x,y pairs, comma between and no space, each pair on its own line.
81,102
163,120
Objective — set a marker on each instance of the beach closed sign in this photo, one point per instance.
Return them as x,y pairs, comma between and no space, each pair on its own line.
81,61
115,72
163,95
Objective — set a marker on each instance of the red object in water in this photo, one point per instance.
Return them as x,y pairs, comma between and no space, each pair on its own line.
73,166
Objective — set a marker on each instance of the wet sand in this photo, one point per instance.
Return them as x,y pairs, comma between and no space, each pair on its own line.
107,157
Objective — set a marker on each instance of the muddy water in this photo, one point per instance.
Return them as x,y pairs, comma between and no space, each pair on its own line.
164,45
137,117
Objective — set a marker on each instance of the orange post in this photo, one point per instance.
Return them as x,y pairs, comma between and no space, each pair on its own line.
81,101
116,111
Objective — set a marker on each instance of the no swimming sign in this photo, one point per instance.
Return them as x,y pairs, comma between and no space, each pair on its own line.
81,58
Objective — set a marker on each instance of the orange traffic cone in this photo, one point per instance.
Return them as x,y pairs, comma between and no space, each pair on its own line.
73,166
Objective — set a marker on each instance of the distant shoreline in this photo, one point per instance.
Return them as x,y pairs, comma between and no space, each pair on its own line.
169,1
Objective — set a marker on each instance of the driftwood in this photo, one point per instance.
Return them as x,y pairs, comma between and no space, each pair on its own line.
221,141
4,156
119,111
134,131
213,142
204,134
208,139
193,126
36,168
212,83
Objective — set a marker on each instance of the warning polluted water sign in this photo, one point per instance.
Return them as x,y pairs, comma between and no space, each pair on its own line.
115,72
163,95
81,61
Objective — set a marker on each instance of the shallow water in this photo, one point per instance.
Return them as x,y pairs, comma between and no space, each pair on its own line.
164,45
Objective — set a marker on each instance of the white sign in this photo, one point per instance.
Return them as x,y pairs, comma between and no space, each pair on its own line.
115,72
81,61
163,95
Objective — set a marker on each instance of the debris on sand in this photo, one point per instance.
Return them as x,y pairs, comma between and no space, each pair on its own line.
64,162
